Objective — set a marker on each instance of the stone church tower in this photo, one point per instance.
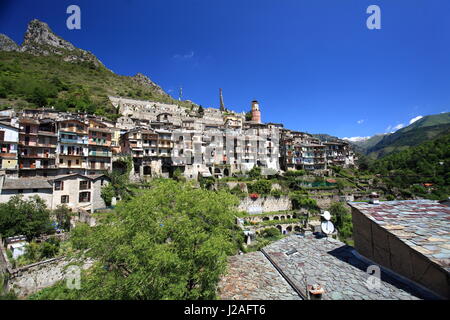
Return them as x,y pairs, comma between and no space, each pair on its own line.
256,114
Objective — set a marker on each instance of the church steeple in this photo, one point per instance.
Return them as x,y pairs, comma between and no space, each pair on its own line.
222,106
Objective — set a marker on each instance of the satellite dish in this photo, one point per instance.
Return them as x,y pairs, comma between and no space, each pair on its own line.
326,215
327,227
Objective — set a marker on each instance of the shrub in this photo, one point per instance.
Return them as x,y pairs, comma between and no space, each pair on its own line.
276,193
270,233
262,187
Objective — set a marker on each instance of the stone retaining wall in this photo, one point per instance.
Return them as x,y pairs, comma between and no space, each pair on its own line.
268,204
34,277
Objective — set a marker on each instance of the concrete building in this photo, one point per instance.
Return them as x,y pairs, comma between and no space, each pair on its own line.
37,146
411,238
9,139
162,138
302,151
73,146
74,190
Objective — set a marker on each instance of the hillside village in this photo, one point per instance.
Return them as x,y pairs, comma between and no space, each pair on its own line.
42,148
119,156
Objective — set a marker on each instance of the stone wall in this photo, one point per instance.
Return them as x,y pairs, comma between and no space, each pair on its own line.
268,204
34,277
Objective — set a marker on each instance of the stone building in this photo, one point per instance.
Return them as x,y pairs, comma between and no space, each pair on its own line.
161,138
74,190
411,238
302,151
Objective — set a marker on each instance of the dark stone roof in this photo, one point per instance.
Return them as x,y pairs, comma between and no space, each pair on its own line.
28,183
423,225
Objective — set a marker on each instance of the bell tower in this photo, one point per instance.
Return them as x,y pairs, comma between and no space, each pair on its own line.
256,114
222,105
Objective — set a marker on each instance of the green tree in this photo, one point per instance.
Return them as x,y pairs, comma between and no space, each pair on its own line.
63,216
342,219
255,173
300,200
29,217
170,242
262,187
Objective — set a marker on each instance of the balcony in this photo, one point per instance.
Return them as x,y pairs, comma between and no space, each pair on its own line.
100,154
73,154
99,167
73,130
38,156
46,133
34,166
8,155
73,141
105,143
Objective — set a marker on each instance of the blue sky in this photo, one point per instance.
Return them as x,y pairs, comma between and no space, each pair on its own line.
312,64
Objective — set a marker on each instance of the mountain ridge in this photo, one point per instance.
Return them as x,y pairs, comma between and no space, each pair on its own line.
48,71
420,131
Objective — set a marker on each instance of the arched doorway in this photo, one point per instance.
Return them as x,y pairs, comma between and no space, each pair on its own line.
279,228
266,219
297,229
276,218
289,229
226,172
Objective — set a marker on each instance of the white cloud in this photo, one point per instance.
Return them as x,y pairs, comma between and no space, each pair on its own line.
392,129
356,139
415,119
186,56
360,121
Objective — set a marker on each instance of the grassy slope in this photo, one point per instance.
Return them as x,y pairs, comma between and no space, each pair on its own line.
420,131
20,73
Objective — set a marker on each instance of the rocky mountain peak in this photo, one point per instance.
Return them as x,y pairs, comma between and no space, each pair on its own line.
39,39
6,44
39,34
144,80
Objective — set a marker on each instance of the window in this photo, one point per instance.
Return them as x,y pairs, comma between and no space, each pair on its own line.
65,199
59,185
85,184
85,197
20,191
35,190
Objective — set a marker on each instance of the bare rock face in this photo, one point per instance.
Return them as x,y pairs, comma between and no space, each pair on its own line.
144,80
6,44
40,40
39,34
